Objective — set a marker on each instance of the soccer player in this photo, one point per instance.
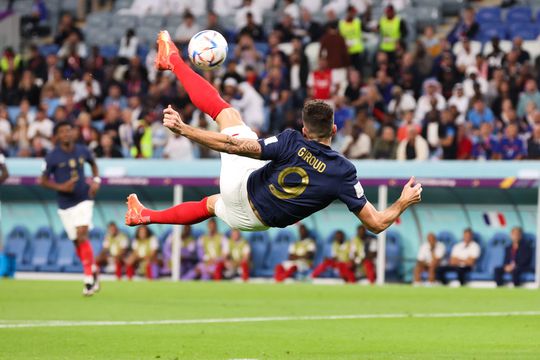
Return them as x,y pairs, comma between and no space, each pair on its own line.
65,164
342,259
303,176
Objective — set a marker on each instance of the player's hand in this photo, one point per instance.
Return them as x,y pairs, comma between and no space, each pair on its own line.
67,186
412,192
172,120
94,187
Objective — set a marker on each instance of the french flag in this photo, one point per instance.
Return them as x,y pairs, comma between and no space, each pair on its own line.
494,219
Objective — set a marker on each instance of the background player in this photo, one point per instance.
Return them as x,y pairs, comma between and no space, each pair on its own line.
304,175
65,163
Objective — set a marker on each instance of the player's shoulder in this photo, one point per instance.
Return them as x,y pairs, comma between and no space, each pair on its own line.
80,148
52,155
345,164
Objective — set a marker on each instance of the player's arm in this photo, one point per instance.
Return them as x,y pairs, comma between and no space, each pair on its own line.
215,141
96,180
378,221
4,174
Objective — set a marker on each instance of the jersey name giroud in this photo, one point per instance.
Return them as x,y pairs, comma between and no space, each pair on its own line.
311,160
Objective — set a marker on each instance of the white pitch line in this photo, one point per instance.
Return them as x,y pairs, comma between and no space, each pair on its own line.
62,323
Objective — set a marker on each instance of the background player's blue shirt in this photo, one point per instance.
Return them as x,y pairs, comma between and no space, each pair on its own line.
64,166
302,178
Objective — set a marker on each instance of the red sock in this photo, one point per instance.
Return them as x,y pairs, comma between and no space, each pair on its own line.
184,214
202,94
130,271
245,270
118,269
86,254
289,273
369,269
218,273
149,270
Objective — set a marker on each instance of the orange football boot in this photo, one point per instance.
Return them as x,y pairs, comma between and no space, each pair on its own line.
166,48
134,210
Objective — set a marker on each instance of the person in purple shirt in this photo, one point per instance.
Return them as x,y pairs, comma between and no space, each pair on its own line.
486,146
512,147
273,182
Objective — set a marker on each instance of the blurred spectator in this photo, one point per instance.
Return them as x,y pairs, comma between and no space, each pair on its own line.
486,146
430,100
340,259
480,114
35,63
34,24
212,22
321,84
248,101
107,148
128,46
28,88
460,101
115,247
236,261
350,29
357,145
496,57
415,147
247,7
186,29
73,50
401,102
517,259
466,56
10,62
285,28
385,147
308,28
41,126
466,27
311,6
9,91
431,42
178,148
144,251
464,143
512,147
225,8
392,30
254,30
115,97
448,135
301,254
276,92
364,248
533,144
462,259
188,251
523,55
292,9
211,250
530,94
334,49
429,257
474,86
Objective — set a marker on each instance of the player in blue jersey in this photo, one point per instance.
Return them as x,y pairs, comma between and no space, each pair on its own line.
63,172
273,182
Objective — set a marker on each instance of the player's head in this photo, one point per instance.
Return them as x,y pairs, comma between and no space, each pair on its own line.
318,119
63,131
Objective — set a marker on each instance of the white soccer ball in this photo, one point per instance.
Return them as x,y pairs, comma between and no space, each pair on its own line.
207,49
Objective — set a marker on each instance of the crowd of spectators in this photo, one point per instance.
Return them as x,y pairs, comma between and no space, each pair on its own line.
435,98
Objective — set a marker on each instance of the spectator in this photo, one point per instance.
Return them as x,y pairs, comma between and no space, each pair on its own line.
460,101
73,50
186,30
480,114
178,148
466,27
512,147
292,9
530,94
392,30
212,22
247,100
107,148
28,88
276,92
401,102
340,259
247,7
448,135
517,259
334,49
533,144
429,257
321,84
486,146
431,42
415,147
431,99
35,63
10,61
254,30
301,254
407,120
115,247
462,259
350,29
364,248
128,46
144,251
115,98
466,56
496,57
285,28
357,145
474,86
385,146
523,55
41,126
464,143
34,24
309,29
10,93
4,174
211,250
236,261
5,130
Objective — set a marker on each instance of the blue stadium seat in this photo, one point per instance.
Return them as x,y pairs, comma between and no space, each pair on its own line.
393,255
48,49
109,51
279,251
164,235
65,256
19,232
259,243
525,31
488,14
45,233
96,233
491,30
519,14
17,247
42,251
448,239
492,256
64,237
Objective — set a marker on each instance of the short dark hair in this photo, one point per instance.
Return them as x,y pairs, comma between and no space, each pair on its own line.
60,125
318,118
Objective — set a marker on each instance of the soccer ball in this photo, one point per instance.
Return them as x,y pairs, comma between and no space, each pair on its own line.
207,49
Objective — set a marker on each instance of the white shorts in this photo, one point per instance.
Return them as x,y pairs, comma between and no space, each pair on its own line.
233,206
77,216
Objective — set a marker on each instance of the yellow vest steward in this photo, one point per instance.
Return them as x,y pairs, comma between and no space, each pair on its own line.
352,33
390,33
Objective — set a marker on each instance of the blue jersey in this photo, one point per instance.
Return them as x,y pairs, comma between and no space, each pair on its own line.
303,177
64,166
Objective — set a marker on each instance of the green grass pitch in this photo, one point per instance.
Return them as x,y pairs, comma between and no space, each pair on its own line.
458,330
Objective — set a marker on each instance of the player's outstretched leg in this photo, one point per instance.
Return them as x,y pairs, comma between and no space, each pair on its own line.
187,213
202,94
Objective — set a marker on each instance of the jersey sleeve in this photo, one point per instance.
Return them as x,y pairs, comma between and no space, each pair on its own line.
352,192
89,156
277,147
47,168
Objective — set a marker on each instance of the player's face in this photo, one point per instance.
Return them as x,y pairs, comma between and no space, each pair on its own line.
65,134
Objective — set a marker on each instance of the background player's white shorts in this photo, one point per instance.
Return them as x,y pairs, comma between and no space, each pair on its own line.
77,216
233,206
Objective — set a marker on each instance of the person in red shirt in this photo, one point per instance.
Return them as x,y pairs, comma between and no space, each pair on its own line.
320,82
